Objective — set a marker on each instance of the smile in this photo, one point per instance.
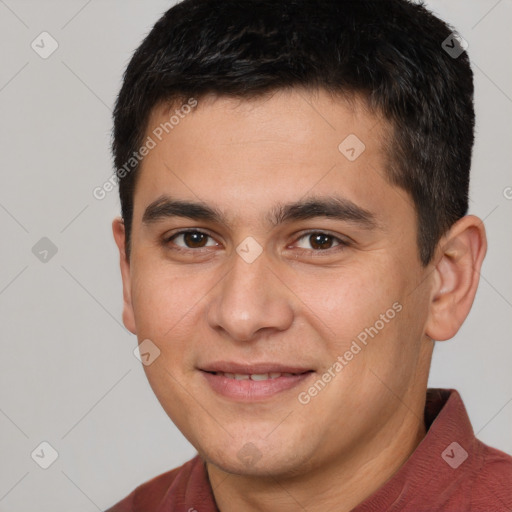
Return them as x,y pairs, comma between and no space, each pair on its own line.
253,387
255,376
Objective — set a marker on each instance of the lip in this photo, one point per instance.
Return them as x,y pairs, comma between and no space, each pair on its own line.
233,367
253,390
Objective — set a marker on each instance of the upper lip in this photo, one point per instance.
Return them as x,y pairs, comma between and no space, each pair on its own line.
252,368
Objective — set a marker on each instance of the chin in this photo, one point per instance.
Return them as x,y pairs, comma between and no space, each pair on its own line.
259,460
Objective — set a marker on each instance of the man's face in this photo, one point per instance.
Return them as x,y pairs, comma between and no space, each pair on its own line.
268,290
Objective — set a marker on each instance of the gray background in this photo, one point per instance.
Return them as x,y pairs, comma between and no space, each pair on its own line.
67,372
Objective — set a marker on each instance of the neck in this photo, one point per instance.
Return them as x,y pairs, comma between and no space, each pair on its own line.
338,485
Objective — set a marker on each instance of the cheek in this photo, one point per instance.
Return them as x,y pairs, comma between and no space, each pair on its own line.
343,302
164,301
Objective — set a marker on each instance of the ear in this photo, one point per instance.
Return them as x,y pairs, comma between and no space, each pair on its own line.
119,237
459,258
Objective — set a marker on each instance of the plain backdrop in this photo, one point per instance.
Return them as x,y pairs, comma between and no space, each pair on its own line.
68,375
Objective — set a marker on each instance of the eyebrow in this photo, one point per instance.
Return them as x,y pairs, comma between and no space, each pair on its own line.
334,207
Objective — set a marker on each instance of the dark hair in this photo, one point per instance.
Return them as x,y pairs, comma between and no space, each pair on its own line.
393,53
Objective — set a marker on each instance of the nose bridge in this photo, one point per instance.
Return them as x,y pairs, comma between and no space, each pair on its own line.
250,297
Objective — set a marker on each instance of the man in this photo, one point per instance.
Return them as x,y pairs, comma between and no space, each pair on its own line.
294,184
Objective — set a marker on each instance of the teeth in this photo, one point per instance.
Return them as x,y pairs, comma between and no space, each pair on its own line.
259,376
254,376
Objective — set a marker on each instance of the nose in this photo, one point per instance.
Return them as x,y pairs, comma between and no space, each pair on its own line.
251,300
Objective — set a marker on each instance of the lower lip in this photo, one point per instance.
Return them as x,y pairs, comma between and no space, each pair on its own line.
250,390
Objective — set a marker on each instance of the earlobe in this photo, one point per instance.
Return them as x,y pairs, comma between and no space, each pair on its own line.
118,230
456,275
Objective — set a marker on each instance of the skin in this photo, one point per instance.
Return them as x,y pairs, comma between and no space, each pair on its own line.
295,303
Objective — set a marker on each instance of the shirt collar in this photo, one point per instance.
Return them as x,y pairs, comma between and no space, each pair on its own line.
444,457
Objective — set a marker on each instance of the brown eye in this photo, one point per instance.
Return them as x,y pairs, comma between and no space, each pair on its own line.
319,241
195,239
191,240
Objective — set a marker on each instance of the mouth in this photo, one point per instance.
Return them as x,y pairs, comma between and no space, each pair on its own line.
256,382
255,376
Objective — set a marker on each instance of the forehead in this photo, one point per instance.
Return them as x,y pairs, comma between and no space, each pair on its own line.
288,144
284,116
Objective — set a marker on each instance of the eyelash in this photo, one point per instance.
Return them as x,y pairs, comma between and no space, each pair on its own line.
342,243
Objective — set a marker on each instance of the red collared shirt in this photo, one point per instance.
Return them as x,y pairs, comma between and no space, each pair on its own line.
450,471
